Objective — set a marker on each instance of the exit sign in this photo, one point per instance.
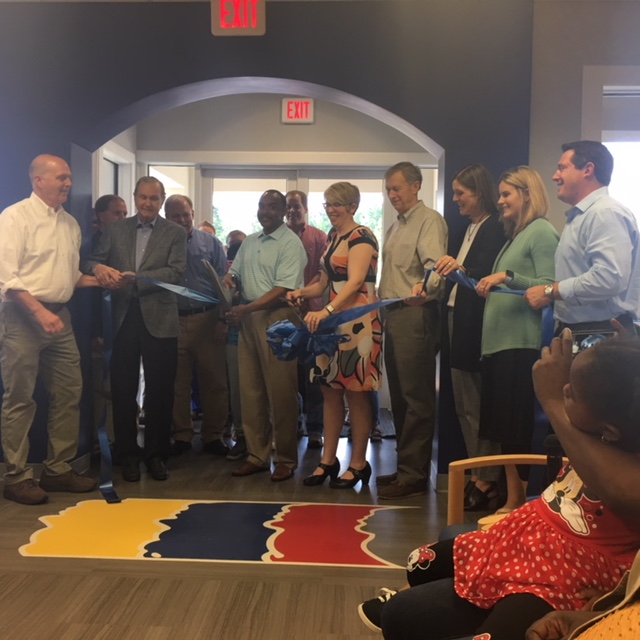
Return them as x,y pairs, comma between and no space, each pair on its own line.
238,17
297,111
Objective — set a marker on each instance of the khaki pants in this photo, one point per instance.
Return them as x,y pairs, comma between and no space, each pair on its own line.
411,343
27,352
201,342
268,392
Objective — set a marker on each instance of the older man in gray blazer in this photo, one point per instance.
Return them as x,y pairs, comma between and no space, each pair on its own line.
145,324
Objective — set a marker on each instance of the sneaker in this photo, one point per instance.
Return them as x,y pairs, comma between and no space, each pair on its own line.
398,490
70,482
238,451
25,492
370,612
216,447
376,434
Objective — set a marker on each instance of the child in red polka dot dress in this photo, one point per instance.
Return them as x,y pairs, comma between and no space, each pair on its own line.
577,538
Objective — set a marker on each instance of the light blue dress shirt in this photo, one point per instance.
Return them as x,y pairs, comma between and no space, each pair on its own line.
597,261
266,261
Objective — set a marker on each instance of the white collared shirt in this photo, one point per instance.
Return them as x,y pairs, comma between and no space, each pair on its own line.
39,251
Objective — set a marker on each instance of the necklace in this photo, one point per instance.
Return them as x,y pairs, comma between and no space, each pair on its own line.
473,228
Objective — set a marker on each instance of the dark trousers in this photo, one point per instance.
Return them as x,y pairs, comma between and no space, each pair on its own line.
312,399
159,360
432,610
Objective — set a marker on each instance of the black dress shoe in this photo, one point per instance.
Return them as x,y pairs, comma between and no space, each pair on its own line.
179,447
478,500
315,441
328,471
468,488
359,475
157,468
216,447
131,470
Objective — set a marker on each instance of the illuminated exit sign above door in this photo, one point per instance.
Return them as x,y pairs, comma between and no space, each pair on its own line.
297,111
238,17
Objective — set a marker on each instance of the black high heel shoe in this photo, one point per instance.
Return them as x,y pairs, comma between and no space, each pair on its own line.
479,500
328,471
359,475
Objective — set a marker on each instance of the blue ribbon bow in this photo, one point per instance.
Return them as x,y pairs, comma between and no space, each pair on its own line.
288,342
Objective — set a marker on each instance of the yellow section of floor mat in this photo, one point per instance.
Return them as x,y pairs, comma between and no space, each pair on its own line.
95,529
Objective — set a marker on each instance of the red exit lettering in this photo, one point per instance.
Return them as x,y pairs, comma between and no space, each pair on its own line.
239,14
298,110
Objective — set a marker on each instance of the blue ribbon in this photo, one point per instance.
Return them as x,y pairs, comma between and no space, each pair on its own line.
288,342
106,463
462,279
180,290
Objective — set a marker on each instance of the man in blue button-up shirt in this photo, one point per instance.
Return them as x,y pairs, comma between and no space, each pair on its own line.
202,339
597,267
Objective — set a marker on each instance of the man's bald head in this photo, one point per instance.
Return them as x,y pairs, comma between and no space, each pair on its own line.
51,179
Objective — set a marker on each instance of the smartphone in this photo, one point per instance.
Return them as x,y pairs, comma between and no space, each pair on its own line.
586,339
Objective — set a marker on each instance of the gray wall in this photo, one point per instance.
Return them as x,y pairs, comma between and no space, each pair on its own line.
569,36
221,124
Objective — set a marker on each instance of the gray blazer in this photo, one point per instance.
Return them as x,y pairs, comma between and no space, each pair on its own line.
164,259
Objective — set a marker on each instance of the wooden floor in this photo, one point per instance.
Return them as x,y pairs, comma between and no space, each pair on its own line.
73,599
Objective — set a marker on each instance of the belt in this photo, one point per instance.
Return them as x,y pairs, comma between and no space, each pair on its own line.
396,305
195,310
401,305
54,307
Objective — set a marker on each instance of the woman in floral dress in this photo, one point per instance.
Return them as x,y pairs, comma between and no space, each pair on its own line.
349,267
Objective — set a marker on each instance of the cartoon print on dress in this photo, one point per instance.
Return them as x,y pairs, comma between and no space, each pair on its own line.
564,496
421,558
482,636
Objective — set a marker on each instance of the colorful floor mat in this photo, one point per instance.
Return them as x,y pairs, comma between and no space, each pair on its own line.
211,531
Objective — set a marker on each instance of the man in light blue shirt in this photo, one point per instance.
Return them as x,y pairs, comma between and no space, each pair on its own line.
201,340
268,264
597,267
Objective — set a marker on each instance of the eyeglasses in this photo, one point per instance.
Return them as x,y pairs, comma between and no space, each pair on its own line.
333,205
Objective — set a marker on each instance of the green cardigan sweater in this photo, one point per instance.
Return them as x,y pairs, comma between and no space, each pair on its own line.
509,322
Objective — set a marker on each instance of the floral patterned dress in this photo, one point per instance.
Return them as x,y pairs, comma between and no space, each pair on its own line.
356,366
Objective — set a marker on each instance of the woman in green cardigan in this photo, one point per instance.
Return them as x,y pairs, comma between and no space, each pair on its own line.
512,331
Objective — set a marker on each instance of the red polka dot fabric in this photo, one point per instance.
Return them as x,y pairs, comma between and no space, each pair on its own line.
545,549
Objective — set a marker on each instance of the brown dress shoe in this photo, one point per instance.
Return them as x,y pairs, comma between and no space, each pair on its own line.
70,482
25,492
281,472
398,490
384,481
248,469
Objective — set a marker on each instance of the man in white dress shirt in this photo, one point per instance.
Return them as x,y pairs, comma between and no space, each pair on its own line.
39,270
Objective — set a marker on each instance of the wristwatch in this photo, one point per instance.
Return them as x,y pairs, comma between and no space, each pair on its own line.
548,292
330,308
508,277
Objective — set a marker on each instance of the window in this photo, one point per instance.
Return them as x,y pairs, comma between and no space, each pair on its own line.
235,203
